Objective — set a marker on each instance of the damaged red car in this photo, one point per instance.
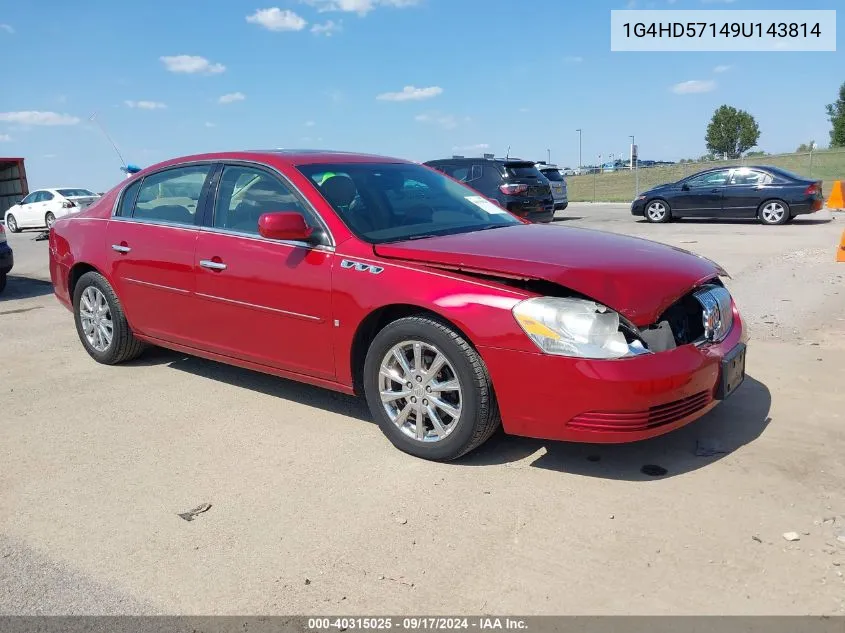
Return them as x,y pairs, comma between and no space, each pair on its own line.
385,278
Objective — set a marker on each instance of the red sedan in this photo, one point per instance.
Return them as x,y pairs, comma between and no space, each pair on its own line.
385,278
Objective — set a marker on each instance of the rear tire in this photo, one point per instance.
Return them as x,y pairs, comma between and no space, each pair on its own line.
12,224
658,212
460,384
101,323
2,282
773,212
49,220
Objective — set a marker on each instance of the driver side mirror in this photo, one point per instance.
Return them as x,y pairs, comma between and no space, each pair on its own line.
685,187
285,225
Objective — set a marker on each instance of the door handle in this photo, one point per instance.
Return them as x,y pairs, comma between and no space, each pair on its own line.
120,248
207,263
715,191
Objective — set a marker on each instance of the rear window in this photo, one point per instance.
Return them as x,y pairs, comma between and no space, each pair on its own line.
522,170
553,175
75,193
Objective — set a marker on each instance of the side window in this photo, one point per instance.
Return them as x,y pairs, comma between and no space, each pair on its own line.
749,177
46,196
712,179
30,198
171,196
246,193
124,209
460,173
475,173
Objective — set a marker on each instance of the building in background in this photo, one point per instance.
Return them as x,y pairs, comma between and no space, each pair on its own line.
13,185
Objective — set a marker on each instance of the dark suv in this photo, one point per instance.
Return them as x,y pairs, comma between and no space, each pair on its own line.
517,185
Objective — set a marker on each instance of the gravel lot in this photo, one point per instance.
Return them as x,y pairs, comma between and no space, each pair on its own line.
313,511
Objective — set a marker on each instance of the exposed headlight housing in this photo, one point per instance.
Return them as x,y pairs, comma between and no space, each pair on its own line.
717,312
574,327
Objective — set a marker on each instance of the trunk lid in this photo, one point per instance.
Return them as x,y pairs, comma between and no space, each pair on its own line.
636,277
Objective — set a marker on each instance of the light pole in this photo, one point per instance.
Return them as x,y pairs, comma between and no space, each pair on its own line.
635,165
580,163
549,156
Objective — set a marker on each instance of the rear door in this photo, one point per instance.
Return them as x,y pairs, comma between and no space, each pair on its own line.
150,242
744,192
701,195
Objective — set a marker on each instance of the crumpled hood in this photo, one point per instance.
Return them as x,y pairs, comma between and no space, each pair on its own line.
636,277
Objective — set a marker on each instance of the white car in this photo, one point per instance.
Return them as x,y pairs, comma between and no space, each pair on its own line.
42,206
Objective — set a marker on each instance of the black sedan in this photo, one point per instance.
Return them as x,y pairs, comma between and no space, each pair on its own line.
770,194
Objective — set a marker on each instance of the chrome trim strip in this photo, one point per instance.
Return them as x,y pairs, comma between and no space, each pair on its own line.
180,291
259,238
161,223
295,315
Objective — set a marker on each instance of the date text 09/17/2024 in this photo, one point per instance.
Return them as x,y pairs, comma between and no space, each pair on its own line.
419,623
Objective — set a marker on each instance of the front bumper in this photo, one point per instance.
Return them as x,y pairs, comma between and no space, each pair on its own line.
607,401
638,207
7,259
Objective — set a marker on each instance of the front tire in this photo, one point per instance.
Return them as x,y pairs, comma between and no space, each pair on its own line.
12,224
101,323
449,409
658,212
773,212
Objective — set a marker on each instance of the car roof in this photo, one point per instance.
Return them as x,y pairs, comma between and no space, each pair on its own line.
460,159
288,157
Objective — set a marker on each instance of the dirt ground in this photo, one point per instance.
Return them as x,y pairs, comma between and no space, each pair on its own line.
314,512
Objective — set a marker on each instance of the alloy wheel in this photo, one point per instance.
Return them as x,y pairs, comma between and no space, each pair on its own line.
95,316
50,220
656,211
773,212
420,391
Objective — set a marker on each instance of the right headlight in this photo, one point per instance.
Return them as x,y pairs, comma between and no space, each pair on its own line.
574,327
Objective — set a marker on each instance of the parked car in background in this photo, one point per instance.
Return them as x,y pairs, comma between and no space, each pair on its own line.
517,185
7,259
770,194
42,207
558,184
385,278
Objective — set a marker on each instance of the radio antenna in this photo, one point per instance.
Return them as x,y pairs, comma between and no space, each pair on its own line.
508,155
106,134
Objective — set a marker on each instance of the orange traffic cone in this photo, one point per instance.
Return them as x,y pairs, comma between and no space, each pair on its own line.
836,199
840,254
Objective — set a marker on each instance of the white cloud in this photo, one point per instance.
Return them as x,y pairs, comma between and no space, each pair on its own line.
411,93
50,156
276,19
446,121
722,69
231,97
361,7
191,64
328,28
573,59
7,27
5,138
33,117
694,86
145,105
310,124
471,148
210,124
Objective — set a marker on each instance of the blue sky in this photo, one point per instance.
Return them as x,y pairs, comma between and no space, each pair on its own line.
418,79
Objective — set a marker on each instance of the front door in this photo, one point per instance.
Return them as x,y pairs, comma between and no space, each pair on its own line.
29,212
701,196
265,301
150,244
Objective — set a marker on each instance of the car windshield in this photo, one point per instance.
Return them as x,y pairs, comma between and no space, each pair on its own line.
785,172
522,170
553,175
75,193
389,202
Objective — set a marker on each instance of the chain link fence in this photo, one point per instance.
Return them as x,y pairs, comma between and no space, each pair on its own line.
622,185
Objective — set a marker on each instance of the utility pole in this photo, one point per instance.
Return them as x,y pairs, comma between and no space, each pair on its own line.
549,156
580,162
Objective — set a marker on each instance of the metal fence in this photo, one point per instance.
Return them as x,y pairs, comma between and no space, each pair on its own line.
624,185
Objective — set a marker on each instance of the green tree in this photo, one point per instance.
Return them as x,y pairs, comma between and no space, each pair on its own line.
836,112
731,132
805,148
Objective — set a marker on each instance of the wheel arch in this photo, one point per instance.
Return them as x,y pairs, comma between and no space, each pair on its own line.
75,273
376,321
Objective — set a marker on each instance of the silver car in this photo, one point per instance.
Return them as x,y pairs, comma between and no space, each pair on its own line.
555,177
